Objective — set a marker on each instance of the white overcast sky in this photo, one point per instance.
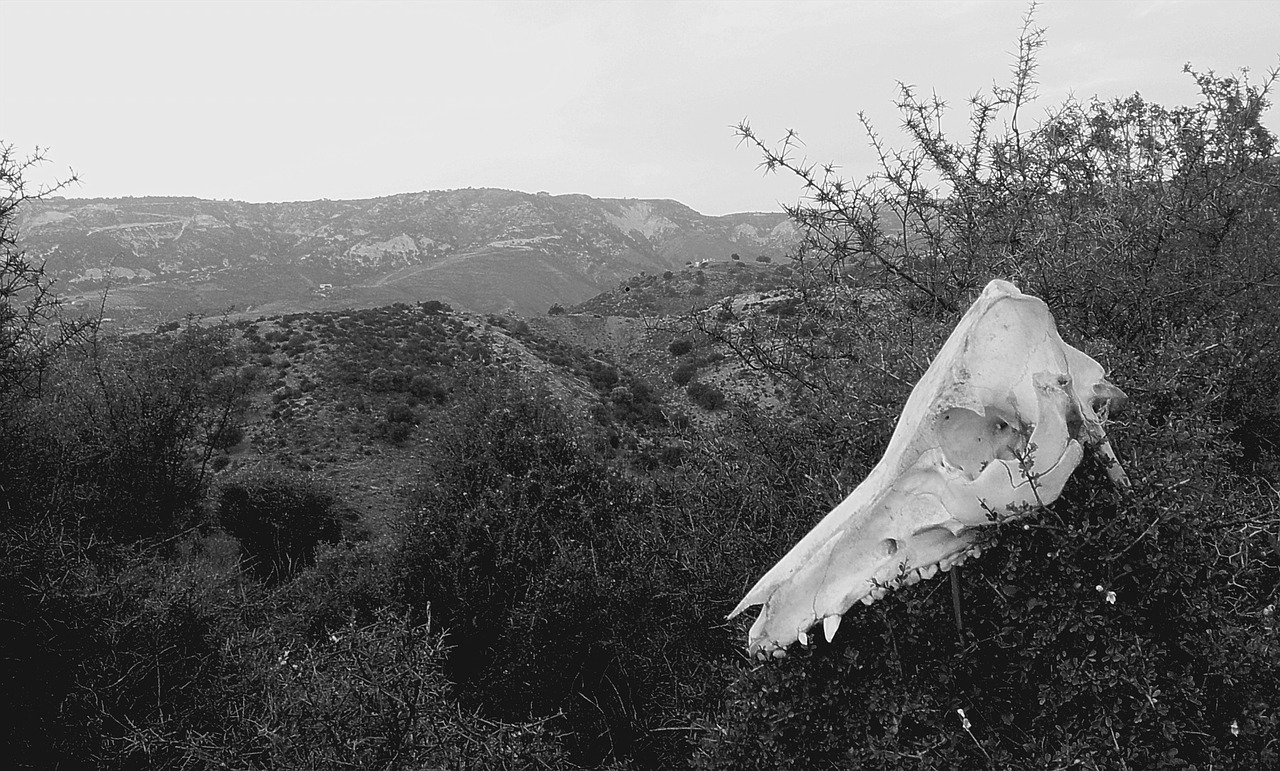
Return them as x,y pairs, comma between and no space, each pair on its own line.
282,101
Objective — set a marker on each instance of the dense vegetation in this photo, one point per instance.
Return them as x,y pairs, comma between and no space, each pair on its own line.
554,596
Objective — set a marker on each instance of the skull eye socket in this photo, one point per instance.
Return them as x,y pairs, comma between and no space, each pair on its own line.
970,441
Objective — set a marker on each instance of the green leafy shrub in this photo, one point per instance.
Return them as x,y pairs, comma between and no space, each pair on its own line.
684,373
382,379
368,695
119,443
393,432
399,412
427,388
542,563
708,397
279,518
350,582
102,647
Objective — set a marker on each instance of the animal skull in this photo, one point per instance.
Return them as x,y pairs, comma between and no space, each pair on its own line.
994,428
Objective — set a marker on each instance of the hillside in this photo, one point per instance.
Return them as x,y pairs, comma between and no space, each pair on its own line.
481,250
356,395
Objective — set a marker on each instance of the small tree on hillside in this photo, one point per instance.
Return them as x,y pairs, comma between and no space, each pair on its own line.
30,328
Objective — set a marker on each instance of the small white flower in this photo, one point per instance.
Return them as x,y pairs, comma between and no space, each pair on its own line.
1235,728
964,721
1098,588
334,638
1111,597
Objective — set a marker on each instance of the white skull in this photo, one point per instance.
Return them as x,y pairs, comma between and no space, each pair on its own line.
994,428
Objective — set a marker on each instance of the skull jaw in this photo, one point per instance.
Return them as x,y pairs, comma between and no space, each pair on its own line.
928,523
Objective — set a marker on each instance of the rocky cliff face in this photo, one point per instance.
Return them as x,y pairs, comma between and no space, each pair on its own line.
478,249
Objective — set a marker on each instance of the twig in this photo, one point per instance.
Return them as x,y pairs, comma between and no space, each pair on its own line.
955,602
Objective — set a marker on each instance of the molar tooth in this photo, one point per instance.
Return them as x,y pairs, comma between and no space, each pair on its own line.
928,571
975,551
779,653
867,599
829,626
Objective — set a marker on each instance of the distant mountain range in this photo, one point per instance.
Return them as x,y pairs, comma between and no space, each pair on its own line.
481,250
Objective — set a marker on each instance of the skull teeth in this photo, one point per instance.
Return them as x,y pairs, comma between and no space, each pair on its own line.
831,623
829,626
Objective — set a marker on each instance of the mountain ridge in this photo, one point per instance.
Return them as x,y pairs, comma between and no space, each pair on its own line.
482,249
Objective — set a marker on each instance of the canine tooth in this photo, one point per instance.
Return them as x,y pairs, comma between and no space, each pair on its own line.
804,639
829,626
